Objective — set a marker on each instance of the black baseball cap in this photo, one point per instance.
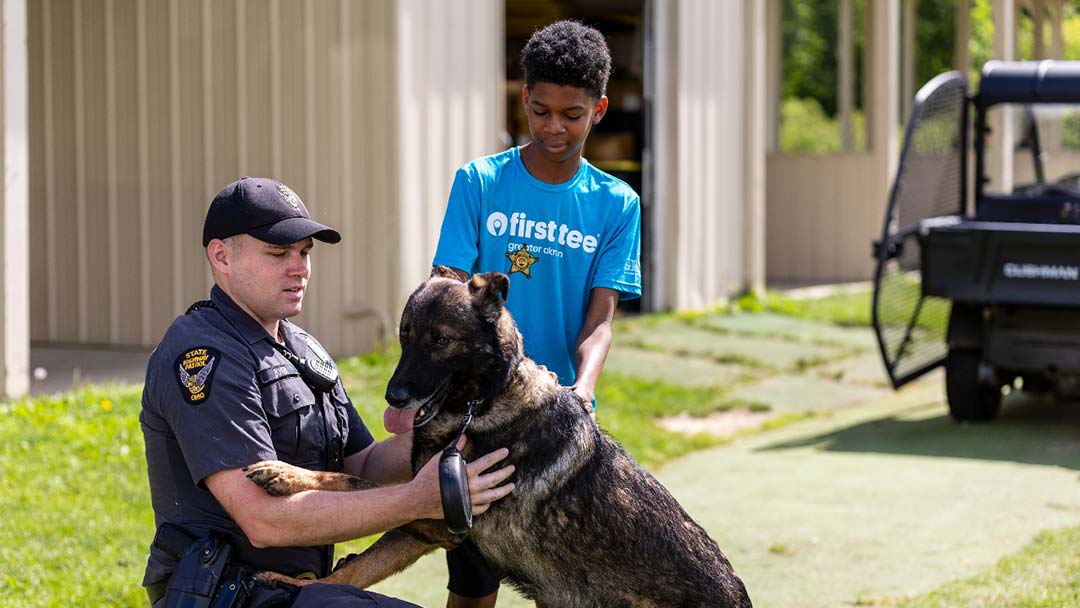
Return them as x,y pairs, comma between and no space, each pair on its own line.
267,210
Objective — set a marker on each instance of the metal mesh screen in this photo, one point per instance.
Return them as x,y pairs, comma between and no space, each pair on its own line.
910,326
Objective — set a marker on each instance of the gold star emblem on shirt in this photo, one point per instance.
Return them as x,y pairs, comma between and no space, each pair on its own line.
521,261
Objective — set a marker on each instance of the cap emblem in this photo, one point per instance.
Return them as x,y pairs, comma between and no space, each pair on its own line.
289,196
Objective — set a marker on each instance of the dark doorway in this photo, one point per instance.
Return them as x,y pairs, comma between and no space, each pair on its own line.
617,145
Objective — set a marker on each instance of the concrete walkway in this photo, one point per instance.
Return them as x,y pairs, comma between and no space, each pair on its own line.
56,369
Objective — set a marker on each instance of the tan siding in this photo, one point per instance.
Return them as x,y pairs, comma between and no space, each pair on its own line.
821,216
142,109
39,268
91,156
439,70
125,208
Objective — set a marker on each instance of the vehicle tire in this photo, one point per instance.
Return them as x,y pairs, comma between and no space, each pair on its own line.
969,400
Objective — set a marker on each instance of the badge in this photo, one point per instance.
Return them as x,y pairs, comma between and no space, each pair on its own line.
521,261
195,371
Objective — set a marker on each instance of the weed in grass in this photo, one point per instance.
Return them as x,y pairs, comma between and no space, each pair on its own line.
874,601
779,549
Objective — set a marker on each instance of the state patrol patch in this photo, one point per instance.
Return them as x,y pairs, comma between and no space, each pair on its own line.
195,372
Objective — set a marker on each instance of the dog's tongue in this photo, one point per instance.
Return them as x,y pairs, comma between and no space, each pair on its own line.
399,420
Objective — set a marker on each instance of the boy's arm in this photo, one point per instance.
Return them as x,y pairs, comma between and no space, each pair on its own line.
594,341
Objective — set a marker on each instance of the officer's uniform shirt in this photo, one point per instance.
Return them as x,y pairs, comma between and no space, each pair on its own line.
219,396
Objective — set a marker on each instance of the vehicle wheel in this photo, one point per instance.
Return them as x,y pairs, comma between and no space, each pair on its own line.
969,400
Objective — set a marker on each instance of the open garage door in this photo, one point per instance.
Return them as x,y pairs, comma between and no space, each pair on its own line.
929,189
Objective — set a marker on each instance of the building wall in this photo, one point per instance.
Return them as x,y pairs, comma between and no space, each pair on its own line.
140,110
822,213
452,109
701,182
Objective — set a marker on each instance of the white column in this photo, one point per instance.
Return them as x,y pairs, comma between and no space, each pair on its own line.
664,257
1003,137
1038,22
15,269
1057,36
907,90
846,70
754,143
775,68
963,36
883,104
884,69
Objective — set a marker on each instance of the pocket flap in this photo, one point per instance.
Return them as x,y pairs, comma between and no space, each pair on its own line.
286,395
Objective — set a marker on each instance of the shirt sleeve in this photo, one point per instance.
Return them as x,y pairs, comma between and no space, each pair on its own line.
226,430
460,234
359,435
619,267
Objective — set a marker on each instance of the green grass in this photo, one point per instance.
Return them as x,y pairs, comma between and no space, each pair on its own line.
1044,574
74,499
843,309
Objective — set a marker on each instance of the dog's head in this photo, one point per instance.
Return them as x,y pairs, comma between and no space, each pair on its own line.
458,343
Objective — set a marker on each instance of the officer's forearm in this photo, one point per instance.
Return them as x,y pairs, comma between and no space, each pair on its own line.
317,517
385,462
321,517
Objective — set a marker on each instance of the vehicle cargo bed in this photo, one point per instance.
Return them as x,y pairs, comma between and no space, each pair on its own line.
1001,262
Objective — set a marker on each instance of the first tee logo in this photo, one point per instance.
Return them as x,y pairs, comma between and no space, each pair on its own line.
195,371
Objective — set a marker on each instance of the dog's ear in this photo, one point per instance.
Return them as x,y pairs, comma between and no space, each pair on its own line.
447,272
492,287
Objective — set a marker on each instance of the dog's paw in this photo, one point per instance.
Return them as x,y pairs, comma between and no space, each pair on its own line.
279,478
273,580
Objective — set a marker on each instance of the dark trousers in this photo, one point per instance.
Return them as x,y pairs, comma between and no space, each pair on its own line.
320,596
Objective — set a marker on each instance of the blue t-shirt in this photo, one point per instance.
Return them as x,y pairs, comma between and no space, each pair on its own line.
556,242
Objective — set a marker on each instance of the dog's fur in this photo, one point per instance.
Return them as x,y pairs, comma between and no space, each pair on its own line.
585,525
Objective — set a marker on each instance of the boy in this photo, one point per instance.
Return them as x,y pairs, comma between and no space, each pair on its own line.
567,234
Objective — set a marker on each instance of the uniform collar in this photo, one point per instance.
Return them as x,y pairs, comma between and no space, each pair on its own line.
241,320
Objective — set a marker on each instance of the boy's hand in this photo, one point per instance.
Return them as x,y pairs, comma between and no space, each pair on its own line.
585,394
586,399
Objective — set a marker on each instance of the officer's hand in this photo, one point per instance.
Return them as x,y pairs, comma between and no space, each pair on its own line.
484,488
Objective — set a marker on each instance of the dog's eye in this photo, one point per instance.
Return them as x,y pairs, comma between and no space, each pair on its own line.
442,340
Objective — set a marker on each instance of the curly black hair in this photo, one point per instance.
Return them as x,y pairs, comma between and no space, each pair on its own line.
568,53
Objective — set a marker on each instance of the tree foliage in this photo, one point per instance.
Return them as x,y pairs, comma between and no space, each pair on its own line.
810,47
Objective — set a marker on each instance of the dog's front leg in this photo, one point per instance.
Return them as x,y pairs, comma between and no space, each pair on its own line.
392,553
282,479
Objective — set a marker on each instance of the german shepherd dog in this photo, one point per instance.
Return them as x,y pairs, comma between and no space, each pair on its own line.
585,526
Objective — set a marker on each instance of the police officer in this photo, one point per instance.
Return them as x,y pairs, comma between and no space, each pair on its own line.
233,383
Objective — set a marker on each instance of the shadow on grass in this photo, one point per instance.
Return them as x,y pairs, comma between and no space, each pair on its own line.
1029,430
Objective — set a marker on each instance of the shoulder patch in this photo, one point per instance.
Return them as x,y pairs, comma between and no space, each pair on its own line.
195,370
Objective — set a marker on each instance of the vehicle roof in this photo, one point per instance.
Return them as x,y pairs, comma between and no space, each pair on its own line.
1029,82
